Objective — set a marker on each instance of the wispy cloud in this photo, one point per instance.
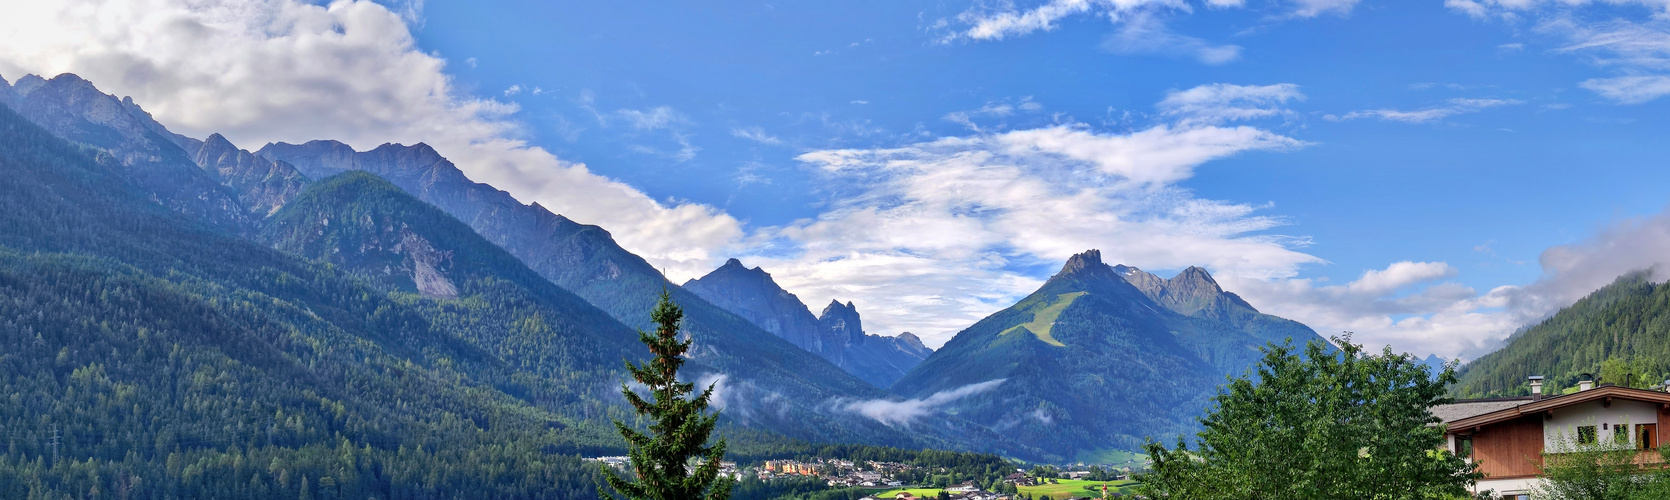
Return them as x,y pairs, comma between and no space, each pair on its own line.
657,118
1143,32
1005,20
756,134
1221,103
903,413
1450,108
1630,89
1636,49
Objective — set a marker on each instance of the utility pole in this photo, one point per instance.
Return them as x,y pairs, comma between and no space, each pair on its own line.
54,444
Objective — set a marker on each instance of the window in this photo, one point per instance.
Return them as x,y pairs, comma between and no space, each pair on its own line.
1464,446
1620,434
1646,436
1586,434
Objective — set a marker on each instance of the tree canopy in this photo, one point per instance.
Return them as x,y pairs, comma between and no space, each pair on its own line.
1320,425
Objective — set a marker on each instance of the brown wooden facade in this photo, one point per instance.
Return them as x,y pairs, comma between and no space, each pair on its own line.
1508,443
1510,449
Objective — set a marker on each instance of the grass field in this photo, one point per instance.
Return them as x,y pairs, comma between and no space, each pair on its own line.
1063,489
919,492
1112,456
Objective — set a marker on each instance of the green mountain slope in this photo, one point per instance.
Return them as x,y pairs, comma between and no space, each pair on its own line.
172,358
1628,320
1090,362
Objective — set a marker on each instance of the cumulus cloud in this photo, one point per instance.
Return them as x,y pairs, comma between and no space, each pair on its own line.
1412,305
930,237
287,70
902,413
1450,108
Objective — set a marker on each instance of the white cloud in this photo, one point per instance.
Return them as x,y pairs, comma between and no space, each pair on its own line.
657,118
903,413
1143,32
1005,21
513,90
1450,108
1219,103
1407,306
1313,8
1630,89
286,70
1637,50
932,236
1410,306
1510,9
999,25
756,134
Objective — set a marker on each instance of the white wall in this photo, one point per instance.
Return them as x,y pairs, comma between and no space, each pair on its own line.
1566,420
1509,486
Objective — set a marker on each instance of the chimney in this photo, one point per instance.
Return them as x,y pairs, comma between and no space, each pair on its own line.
1587,383
1536,387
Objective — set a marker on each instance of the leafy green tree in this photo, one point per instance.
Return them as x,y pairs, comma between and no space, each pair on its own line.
680,429
1323,425
1627,372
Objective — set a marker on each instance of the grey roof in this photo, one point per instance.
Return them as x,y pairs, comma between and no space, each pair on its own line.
1473,407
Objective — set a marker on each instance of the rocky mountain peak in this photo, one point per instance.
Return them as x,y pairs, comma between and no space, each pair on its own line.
28,84
912,340
841,321
1193,281
1087,260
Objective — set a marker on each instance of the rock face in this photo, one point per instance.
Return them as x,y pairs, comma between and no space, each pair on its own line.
131,142
836,335
263,186
1100,357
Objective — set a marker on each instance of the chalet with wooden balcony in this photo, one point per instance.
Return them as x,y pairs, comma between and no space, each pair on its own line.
1509,437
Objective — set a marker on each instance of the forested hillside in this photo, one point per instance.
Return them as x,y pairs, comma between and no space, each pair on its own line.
1621,330
205,365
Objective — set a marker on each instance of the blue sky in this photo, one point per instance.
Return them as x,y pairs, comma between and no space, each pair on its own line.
1430,174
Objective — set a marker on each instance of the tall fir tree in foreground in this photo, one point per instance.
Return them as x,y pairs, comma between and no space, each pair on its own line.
680,425
1322,425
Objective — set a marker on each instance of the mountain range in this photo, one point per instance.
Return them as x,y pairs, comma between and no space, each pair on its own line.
383,297
837,334
1100,358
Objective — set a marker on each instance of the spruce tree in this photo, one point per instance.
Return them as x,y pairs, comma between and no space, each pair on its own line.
680,426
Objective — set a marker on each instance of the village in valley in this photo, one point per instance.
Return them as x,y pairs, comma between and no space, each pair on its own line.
901,481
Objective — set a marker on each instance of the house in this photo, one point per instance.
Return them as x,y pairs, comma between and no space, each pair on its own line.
904,495
965,487
1508,437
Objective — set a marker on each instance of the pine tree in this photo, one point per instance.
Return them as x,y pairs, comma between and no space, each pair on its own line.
680,427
